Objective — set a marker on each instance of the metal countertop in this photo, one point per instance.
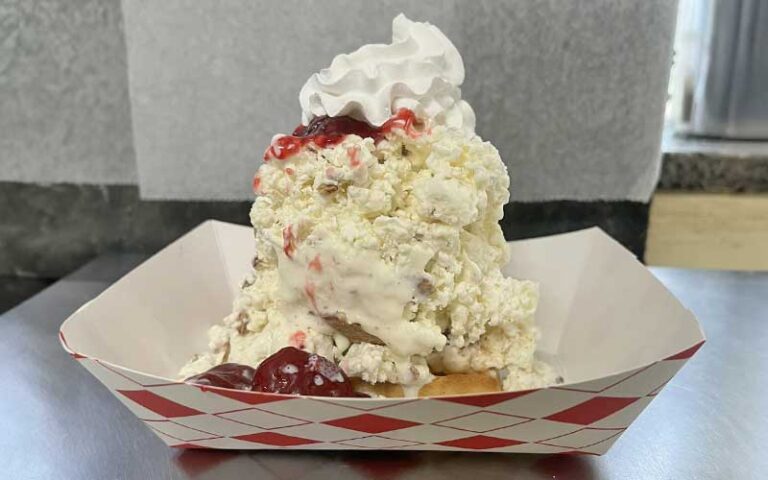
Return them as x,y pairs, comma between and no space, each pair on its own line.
711,421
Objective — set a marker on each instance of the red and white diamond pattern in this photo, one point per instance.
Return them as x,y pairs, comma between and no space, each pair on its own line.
481,422
578,418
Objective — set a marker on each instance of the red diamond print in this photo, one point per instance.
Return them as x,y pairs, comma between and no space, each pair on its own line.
277,439
688,353
371,423
160,405
592,410
190,446
486,400
480,442
251,398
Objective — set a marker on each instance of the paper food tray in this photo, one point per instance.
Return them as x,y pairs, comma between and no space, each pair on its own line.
617,335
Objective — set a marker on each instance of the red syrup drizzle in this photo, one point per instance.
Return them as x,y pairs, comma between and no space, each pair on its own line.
354,157
289,241
297,339
290,371
315,264
328,131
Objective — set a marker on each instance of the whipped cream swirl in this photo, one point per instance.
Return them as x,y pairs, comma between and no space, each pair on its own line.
420,70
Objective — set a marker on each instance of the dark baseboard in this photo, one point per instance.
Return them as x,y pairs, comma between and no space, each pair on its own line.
48,231
625,221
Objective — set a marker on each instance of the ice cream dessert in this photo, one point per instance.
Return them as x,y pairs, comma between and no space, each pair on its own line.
377,239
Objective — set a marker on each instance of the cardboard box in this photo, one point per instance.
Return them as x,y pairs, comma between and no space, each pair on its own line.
616,334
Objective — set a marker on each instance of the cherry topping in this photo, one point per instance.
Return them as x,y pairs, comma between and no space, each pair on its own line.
327,131
226,375
295,371
290,370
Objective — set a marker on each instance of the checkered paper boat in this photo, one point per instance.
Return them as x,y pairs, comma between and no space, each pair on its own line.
616,333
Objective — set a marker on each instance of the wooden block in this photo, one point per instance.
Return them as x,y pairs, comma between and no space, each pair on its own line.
706,230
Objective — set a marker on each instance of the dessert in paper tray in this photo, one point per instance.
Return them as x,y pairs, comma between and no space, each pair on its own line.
375,302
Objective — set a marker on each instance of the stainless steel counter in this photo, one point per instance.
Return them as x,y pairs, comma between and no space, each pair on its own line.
711,421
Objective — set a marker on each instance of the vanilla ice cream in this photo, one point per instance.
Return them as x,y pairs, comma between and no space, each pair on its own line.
383,252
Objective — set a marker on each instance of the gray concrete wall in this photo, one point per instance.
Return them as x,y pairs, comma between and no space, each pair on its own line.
64,107
572,93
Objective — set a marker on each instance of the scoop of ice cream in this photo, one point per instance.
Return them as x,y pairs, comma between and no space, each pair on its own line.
377,234
328,277
396,234
420,70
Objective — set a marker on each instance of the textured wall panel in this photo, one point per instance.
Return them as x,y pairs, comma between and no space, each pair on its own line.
64,106
572,93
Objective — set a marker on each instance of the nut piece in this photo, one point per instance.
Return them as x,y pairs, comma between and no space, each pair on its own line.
241,322
352,331
327,188
242,329
225,355
425,287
